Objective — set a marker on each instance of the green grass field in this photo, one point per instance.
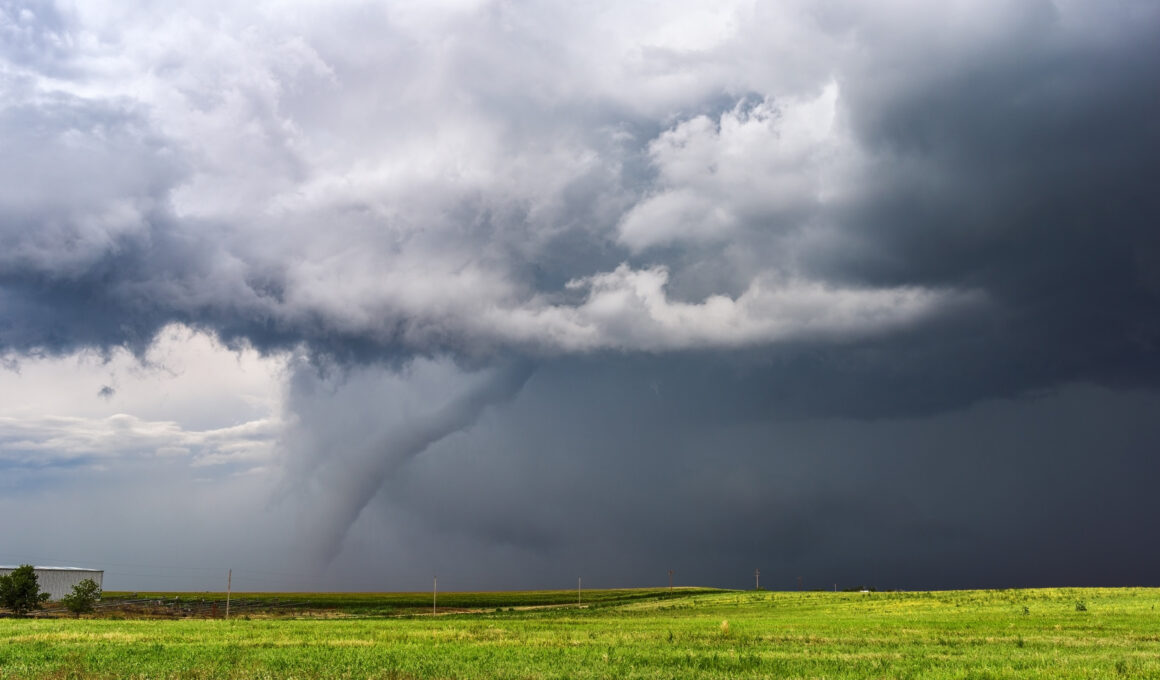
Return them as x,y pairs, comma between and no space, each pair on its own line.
636,634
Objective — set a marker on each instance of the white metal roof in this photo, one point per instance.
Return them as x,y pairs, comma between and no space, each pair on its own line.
4,566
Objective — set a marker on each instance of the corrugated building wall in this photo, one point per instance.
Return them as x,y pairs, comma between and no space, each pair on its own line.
59,581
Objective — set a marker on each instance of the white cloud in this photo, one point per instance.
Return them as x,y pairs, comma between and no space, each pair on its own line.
400,173
629,309
189,398
766,165
53,440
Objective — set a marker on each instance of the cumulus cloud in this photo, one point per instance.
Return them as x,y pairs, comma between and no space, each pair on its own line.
763,165
228,162
629,309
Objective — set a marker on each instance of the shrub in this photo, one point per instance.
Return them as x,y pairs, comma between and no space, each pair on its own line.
1080,606
20,591
82,598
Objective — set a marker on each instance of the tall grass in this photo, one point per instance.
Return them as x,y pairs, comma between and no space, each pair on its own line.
941,635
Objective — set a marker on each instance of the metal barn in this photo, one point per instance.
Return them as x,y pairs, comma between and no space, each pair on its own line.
59,581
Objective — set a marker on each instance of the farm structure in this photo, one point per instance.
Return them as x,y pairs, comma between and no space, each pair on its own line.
59,581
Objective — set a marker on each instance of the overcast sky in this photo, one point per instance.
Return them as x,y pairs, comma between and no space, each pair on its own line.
344,294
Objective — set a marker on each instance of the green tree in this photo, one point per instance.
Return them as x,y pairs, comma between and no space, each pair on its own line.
82,598
20,590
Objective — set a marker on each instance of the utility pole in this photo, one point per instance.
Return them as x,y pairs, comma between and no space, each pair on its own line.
757,579
670,581
434,592
229,587
578,578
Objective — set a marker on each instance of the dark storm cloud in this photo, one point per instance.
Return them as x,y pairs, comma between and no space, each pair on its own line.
812,285
593,471
1027,172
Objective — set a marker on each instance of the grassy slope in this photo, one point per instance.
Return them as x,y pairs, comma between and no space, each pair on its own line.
972,634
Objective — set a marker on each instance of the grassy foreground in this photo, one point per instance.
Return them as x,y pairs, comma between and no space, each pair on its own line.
963,634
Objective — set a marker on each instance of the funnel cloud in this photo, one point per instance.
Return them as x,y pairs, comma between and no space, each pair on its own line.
345,478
